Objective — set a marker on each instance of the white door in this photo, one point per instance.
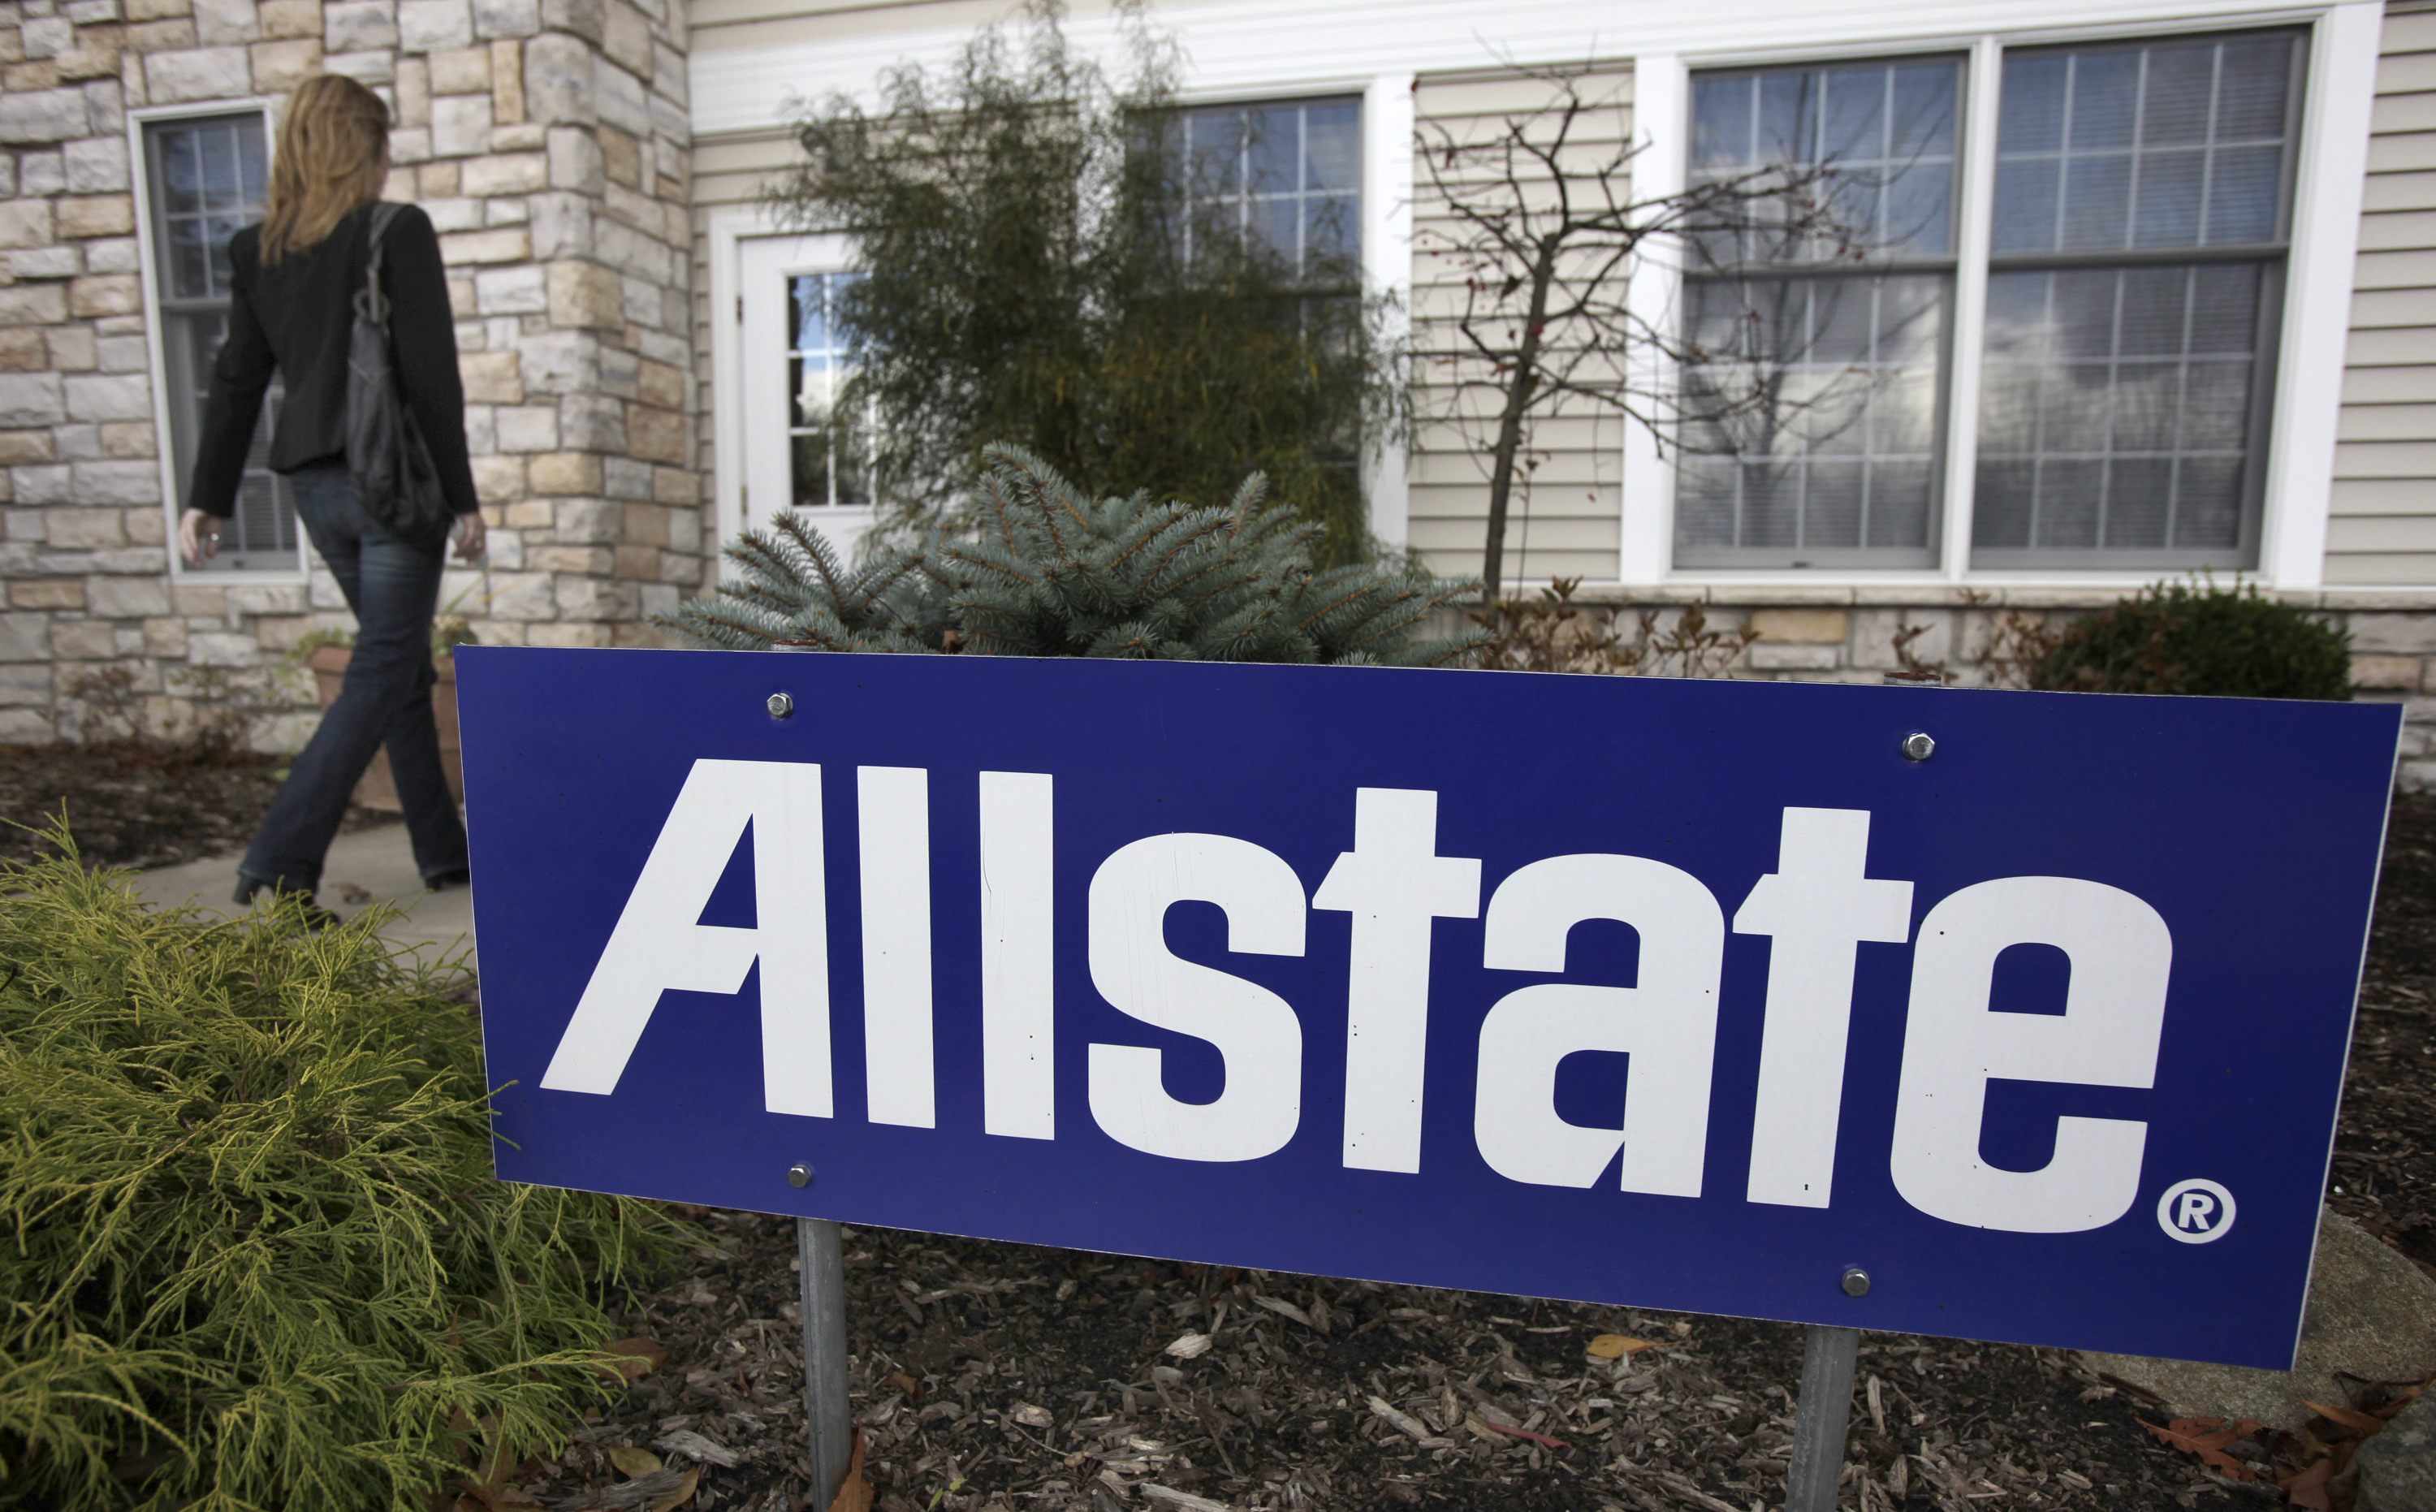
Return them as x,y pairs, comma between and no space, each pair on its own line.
799,452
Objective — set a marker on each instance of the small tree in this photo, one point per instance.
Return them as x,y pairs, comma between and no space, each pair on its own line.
1042,271
1534,215
1054,572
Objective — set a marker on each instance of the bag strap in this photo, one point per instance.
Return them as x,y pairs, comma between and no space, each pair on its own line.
374,305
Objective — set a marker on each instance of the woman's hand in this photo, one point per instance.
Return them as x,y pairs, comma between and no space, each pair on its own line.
199,537
471,535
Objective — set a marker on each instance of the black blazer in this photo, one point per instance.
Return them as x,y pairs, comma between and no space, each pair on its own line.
296,315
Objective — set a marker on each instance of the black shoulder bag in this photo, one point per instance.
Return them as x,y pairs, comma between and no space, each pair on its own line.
393,468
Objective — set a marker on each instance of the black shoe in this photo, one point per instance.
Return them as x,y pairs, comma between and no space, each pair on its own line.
316,917
454,876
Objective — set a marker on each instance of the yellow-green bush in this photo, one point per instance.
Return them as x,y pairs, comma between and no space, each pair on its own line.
252,1253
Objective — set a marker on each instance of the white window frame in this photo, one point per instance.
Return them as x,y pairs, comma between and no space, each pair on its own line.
148,261
2330,175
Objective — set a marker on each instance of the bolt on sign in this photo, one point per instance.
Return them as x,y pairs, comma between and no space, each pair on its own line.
1723,997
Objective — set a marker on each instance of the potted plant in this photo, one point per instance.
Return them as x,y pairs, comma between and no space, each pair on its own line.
327,652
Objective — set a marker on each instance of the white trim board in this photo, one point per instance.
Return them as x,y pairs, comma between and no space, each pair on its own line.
727,231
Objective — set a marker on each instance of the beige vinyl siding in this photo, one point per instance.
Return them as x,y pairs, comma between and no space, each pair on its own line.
2382,524
1565,524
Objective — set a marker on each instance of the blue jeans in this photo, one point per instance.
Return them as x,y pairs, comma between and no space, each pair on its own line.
393,585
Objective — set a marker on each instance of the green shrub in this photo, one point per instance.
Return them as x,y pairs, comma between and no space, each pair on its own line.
1050,571
252,1252
2203,639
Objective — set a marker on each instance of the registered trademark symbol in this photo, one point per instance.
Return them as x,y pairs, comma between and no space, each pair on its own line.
2195,1211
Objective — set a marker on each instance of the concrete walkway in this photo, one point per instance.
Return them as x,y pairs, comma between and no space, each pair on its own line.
364,866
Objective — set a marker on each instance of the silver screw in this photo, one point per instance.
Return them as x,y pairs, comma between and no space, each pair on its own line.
802,1175
781,705
1857,1281
1916,746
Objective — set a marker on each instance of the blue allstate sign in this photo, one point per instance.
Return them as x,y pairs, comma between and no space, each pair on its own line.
1692,995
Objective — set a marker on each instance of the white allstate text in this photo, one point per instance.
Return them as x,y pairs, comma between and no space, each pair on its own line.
1816,910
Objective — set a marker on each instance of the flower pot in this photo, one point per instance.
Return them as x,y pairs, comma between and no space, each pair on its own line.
378,790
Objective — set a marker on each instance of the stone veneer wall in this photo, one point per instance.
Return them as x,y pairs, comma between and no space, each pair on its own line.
549,142
1848,634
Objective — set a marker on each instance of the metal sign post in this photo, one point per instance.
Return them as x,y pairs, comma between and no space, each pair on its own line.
1820,1416
1824,1410
829,1421
820,1256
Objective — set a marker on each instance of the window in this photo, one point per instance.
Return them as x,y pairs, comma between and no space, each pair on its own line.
2141,217
205,177
829,465
1286,176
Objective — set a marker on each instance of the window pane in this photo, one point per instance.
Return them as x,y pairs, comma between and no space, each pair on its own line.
830,452
2113,418
1874,142
1816,430
1273,139
2171,143
1333,147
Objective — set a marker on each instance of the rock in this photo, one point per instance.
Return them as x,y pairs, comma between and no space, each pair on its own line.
2397,1467
2372,1316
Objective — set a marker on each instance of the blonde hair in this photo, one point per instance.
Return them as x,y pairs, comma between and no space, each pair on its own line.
333,158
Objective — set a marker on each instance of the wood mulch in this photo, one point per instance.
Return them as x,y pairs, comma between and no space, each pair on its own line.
140,803
134,804
1000,1376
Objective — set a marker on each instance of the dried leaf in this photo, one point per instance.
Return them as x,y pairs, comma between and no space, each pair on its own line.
2358,1422
634,1463
2309,1488
682,1493
2209,1439
856,1494
633,1358
1618,1346
906,1384
1189,1346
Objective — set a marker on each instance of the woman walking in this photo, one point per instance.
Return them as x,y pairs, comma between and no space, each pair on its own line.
293,283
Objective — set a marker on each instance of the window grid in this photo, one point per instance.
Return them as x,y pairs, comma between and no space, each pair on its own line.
2120,499
829,461
2172,462
1315,223
207,178
1863,461
1850,501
